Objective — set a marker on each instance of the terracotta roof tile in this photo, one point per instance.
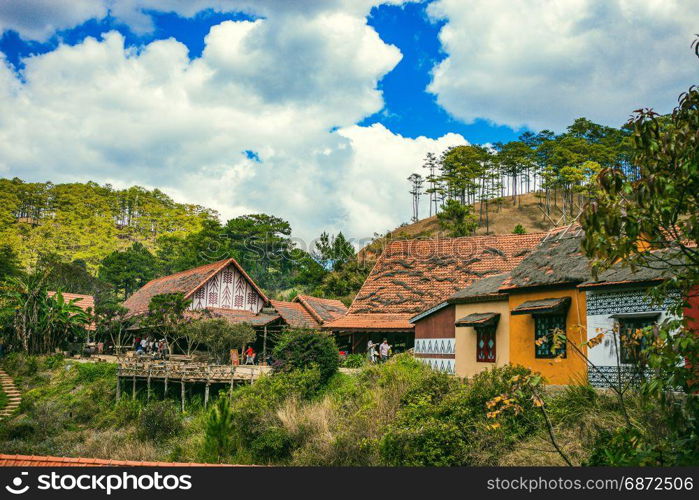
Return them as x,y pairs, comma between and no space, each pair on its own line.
237,316
413,275
186,282
84,302
372,322
295,314
323,310
49,461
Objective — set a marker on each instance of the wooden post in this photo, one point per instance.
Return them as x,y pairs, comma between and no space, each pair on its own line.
206,394
165,390
148,391
264,346
118,388
182,393
133,387
230,391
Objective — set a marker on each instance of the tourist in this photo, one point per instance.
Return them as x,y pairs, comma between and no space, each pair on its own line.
371,352
136,343
250,356
384,350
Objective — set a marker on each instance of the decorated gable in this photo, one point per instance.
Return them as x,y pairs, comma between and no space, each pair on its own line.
228,289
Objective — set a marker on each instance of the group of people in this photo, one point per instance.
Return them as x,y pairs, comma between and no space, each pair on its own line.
157,349
378,352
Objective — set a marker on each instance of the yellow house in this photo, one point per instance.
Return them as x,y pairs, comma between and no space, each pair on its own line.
543,297
482,326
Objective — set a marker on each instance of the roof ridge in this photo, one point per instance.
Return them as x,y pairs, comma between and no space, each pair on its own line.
187,271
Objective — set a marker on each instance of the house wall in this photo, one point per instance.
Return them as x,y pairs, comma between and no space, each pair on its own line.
434,340
227,290
466,364
602,303
570,370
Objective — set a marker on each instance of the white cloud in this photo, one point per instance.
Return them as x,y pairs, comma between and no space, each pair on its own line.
543,63
100,111
39,19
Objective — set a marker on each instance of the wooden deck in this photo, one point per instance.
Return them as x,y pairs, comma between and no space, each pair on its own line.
184,372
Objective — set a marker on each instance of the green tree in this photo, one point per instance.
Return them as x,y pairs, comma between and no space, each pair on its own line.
129,270
9,263
166,316
457,219
304,349
218,335
219,432
333,252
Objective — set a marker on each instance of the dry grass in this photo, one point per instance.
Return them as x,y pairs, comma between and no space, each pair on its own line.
117,445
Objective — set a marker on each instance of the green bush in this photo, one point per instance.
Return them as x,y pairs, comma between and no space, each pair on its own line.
354,361
519,229
19,364
273,445
304,349
159,420
54,361
443,423
254,406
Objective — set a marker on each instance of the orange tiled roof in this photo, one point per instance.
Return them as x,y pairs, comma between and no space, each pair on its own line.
399,322
186,282
238,316
323,310
84,302
412,275
295,314
48,461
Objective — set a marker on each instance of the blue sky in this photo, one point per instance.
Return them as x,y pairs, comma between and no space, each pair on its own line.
409,110
315,111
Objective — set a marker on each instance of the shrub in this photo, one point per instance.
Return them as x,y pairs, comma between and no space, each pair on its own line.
273,444
354,361
219,432
304,349
519,229
19,364
159,420
54,361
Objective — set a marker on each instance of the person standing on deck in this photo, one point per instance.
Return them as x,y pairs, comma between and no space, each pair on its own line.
384,350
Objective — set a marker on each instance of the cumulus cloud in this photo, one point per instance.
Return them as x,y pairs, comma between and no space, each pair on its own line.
542,63
288,91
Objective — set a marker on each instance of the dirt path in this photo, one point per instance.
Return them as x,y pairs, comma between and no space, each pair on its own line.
13,395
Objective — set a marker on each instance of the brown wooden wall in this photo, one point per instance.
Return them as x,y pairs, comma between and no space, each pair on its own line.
439,325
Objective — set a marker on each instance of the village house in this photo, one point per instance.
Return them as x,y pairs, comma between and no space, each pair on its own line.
467,333
618,304
225,290
543,296
413,275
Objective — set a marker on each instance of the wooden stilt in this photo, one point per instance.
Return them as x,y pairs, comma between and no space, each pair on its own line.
118,388
230,391
182,393
133,387
206,395
165,390
264,347
148,391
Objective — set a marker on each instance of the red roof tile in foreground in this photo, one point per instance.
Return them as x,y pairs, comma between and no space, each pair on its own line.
413,275
48,461
295,314
186,282
323,310
84,302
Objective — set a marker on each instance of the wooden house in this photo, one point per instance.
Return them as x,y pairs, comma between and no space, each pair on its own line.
225,290
411,276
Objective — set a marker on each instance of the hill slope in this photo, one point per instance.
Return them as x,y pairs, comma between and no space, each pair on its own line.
502,220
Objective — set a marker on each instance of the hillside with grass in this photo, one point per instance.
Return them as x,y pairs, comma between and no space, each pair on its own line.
503,216
398,413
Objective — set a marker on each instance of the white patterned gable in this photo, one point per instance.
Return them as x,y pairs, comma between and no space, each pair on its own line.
228,289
